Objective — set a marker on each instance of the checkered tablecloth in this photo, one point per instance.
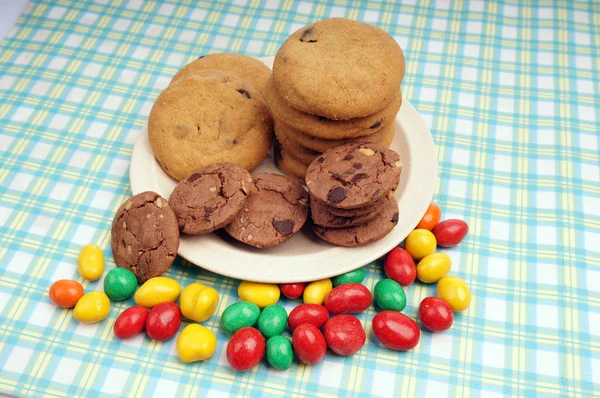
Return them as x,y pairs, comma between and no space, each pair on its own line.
511,93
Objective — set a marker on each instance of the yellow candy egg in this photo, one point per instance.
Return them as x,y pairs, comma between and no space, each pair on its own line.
196,343
315,292
455,292
419,243
157,290
433,267
91,262
261,294
198,302
92,307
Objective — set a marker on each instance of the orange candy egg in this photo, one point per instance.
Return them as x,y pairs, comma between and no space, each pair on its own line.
431,218
65,293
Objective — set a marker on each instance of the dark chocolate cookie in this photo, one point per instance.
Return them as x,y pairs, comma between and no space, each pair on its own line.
320,216
273,214
144,235
210,197
360,235
361,211
354,175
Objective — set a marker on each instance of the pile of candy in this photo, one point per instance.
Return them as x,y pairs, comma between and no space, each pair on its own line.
258,316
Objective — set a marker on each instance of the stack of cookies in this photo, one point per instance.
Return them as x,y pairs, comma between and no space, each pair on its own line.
334,82
351,193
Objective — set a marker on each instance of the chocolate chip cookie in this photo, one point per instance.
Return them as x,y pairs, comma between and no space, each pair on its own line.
339,69
322,217
354,175
377,206
304,155
289,164
210,197
145,236
273,214
359,235
206,119
384,136
321,127
246,68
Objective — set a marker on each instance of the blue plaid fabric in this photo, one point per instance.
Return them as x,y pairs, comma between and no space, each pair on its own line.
510,91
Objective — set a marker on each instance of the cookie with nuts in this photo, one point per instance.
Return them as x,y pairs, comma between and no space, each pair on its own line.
354,175
273,214
145,236
210,197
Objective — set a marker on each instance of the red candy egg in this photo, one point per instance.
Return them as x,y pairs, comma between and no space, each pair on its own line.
348,298
131,322
400,266
396,331
344,334
450,233
309,344
314,314
435,314
245,349
292,290
163,321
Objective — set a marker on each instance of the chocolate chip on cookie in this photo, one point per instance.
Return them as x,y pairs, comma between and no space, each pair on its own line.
354,175
273,214
367,232
144,235
209,198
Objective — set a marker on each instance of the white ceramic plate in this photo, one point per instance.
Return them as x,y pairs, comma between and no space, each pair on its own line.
304,257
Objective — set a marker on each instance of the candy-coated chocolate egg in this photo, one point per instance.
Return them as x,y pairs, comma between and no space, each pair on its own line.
245,349
435,314
196,343
356,276
431,217
433,267
292,290
157,290
348,298
261,294
450,233
163,321
309,344
389,295
400,266
198,302
314,314
119,284
92,307
65,293
344,334
239,315
396,331
455,292
272,320
420,243
280,353
315,292
91,262
131,322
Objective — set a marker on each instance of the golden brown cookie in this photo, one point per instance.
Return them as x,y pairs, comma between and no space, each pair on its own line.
301,153
383,136
246,68
339,69
289,164
209,119
318,126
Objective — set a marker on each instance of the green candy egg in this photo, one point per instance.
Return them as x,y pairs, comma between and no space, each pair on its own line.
389,295
279,352
272,321
120,284
356,276
239,315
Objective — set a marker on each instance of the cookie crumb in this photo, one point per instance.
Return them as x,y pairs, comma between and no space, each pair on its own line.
367,151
